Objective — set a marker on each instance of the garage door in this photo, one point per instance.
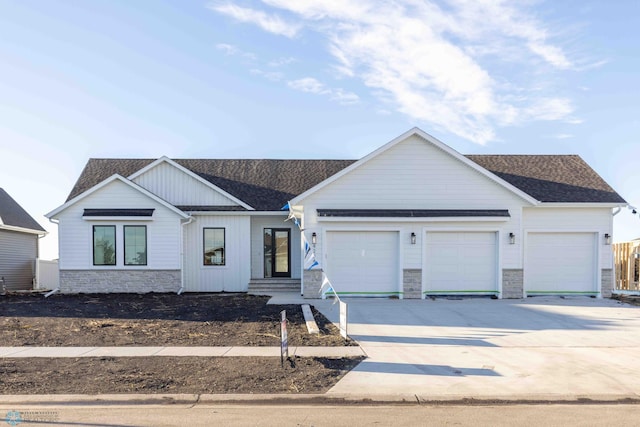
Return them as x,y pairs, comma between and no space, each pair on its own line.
461,263
560,263
363,263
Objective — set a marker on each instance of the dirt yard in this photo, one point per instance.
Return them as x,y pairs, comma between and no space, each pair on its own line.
162,320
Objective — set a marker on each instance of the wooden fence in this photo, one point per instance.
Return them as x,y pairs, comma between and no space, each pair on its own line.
626,257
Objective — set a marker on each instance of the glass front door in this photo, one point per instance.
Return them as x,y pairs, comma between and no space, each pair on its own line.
277,250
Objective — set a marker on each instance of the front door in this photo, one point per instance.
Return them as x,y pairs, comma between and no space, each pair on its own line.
277,252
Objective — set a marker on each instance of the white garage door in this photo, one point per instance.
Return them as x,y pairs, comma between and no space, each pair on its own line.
363,263
560,263
461,263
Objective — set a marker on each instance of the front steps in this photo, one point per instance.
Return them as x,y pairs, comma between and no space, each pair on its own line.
276,284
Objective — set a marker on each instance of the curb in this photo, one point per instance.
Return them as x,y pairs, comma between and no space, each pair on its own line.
311,399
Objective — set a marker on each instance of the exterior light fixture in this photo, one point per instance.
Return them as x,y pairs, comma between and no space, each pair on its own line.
512,238
607,239
413,238
314,238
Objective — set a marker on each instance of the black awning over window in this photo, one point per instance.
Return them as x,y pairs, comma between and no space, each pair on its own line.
118,212
412,213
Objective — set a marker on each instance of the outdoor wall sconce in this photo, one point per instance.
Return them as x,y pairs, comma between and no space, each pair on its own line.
607,239
413,238
512,238
314,238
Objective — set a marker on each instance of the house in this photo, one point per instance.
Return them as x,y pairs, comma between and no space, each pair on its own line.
412,219
19,234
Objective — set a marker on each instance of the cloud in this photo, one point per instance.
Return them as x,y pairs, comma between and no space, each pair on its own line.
308,84
312,85
280,62
232,50
563,136
465,66
268,22
549,109
274,76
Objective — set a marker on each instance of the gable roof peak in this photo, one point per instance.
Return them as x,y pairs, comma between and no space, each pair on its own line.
14,215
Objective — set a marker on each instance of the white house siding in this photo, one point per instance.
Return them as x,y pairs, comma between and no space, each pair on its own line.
235,274
258,224
414,174
178,188
18,252
76,238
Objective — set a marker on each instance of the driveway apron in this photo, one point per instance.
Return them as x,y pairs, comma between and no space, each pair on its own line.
537,348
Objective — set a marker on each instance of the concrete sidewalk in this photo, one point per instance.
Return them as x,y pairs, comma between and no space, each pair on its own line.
50,352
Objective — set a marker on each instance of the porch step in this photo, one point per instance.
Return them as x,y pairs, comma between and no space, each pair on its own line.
274,285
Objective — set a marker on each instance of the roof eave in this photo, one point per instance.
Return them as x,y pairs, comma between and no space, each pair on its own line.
582,204
23,230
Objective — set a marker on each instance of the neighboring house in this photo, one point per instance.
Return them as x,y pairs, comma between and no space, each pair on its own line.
19,234
414,218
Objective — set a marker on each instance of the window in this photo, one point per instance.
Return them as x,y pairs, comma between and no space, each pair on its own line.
104,245
135,245
213,243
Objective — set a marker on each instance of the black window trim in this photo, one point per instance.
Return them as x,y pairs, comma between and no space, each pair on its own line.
224,246
115,245
146,245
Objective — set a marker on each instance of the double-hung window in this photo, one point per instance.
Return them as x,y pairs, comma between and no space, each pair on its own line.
135,244
104,245
214,246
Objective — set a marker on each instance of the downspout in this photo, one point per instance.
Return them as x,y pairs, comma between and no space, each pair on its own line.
48,294
189,221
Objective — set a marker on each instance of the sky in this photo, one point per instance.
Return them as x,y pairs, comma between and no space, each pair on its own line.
317,79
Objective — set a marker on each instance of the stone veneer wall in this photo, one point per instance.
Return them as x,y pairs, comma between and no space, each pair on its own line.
312,280
512,283
412,283
116,281
606,282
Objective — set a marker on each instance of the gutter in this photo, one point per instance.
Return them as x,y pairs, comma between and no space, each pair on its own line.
189,221
48,294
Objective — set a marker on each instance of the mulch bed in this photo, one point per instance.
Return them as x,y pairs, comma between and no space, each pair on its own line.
162,320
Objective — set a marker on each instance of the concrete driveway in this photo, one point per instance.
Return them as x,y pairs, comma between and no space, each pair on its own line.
538,348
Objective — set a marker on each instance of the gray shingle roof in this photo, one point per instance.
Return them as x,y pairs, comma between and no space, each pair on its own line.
551,178
263,184
12,214
269,184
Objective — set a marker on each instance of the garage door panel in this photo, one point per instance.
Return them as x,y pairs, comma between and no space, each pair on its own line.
560,263
461,262
363,262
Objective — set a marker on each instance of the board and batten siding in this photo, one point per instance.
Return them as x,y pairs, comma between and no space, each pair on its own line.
76,234
235,274
258,224
579,220
178,188
18,252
